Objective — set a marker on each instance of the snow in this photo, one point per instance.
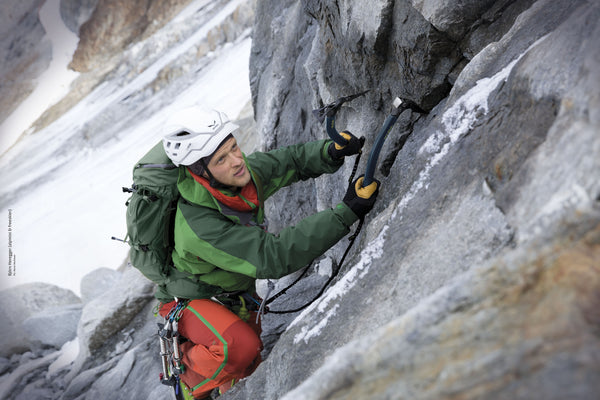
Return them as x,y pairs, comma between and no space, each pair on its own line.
372,251
70,202
457,121
66,355
53,84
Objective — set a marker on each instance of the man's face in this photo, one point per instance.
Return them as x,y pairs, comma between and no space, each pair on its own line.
228,166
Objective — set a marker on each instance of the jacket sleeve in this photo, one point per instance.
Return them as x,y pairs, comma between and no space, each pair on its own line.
284,166
248,250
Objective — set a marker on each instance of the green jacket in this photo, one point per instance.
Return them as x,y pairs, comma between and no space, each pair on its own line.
219,250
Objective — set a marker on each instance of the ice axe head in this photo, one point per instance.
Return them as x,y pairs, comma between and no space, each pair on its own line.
399,105
331,109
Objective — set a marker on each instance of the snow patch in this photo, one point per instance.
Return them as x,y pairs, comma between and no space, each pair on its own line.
373,251
307,333
68,353
457,121
325,267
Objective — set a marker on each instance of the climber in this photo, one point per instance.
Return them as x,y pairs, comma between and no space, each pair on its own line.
221,238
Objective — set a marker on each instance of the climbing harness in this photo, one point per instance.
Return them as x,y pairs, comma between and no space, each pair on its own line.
240,303
170,353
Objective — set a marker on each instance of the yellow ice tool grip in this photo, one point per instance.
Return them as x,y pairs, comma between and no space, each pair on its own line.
346,136
367,191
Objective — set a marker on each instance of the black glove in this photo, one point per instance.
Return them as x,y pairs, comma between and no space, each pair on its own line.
361,199
354,145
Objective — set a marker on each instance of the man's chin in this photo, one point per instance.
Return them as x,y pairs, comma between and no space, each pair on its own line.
241,181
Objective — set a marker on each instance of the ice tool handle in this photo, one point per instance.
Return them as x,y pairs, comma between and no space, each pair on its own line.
397,108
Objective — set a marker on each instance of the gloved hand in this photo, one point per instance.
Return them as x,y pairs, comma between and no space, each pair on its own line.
353,147
361,199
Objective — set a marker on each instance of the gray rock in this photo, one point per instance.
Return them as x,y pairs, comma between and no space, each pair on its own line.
451,16
75,12
106,315
84,380
502,171
12,383
97,283
474,333
54,326
37,390
24,54
123,374
113,380
23,301
4,365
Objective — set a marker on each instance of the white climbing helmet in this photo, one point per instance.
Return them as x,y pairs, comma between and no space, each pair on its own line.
194,133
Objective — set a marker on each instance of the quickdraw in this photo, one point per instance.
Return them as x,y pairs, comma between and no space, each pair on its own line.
170,355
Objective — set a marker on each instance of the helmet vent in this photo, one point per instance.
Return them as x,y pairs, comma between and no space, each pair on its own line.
195,133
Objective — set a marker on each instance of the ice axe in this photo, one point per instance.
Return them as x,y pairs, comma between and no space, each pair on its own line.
328,112
398,107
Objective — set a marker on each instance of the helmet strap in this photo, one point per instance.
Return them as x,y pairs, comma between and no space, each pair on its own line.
211,179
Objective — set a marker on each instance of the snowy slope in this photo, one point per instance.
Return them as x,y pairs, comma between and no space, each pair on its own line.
62,186
52,85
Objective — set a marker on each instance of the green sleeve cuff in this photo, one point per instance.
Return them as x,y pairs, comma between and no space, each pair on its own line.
327,157
345,214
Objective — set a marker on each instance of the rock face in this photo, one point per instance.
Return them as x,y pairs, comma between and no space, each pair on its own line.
103,316
516,327
76,12
53,326
115,332
115,23
477,270
20,303
24,54
98,282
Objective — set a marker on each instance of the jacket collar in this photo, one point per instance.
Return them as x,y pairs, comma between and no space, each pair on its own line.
245,200
197,194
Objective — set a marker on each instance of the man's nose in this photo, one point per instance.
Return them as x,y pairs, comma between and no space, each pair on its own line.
236,160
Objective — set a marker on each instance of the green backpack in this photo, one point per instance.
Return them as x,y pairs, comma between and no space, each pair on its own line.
151,214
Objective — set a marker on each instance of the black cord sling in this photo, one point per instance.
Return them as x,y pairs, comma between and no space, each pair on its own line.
334,272
328,112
